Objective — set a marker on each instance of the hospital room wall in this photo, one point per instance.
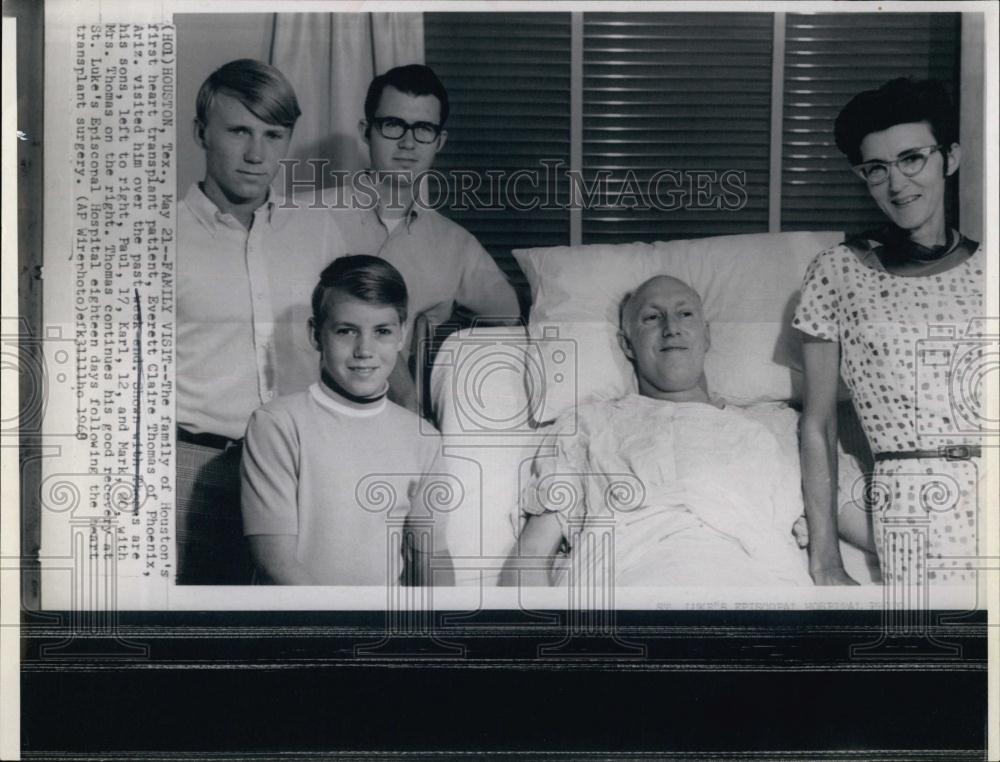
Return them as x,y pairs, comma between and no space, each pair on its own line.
205,42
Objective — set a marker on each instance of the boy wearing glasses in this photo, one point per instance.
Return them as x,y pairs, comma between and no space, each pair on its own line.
443,264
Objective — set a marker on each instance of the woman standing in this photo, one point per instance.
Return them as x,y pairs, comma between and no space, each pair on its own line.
887,311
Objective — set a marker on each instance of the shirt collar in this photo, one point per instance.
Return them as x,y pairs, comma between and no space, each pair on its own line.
407,219
714,400
410,215
889,243
205,210
329,403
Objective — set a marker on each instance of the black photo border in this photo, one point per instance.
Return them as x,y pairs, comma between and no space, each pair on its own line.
822,684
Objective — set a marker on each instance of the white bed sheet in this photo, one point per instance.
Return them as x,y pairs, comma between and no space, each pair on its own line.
479,399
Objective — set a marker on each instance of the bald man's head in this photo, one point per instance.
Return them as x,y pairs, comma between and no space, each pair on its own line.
632,298
664,333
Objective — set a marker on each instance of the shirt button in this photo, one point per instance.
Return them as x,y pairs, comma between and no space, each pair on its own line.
269,396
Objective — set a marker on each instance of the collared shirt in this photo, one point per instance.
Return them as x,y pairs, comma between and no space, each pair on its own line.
243,301
441,262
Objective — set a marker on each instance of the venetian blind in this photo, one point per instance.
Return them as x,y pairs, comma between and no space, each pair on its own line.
508,79
686,93
829,58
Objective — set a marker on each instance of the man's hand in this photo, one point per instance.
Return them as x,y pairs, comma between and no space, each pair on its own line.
800,531
834,576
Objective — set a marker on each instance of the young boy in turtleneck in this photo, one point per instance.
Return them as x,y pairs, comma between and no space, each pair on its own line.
328,474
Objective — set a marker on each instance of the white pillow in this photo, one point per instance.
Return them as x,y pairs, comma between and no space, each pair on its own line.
748,284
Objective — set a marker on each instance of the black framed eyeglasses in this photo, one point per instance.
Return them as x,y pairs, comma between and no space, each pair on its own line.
393,128
910,164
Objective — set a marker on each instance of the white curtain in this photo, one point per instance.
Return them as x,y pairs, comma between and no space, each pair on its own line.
330,58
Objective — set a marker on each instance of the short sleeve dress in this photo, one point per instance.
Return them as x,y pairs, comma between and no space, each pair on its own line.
912,350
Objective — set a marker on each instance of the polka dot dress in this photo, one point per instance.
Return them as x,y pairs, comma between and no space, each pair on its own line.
911,359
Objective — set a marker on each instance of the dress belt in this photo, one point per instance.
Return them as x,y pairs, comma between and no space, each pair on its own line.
215,441
948,452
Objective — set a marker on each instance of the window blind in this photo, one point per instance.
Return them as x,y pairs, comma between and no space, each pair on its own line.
671,95
683,98
829,58
508,79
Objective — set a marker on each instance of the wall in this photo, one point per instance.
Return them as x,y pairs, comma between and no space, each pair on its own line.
205,41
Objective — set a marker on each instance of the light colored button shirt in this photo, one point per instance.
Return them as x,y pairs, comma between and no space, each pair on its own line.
441,262
243,304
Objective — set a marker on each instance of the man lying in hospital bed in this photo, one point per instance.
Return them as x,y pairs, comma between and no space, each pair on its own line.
667,487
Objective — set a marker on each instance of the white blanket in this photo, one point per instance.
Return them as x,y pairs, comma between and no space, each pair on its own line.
670,494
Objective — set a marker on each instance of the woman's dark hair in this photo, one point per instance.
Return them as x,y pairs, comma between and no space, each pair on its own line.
414,79
364,277
261,88
899,101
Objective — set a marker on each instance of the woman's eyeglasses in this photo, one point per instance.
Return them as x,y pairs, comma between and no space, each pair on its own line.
910,164
392,128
